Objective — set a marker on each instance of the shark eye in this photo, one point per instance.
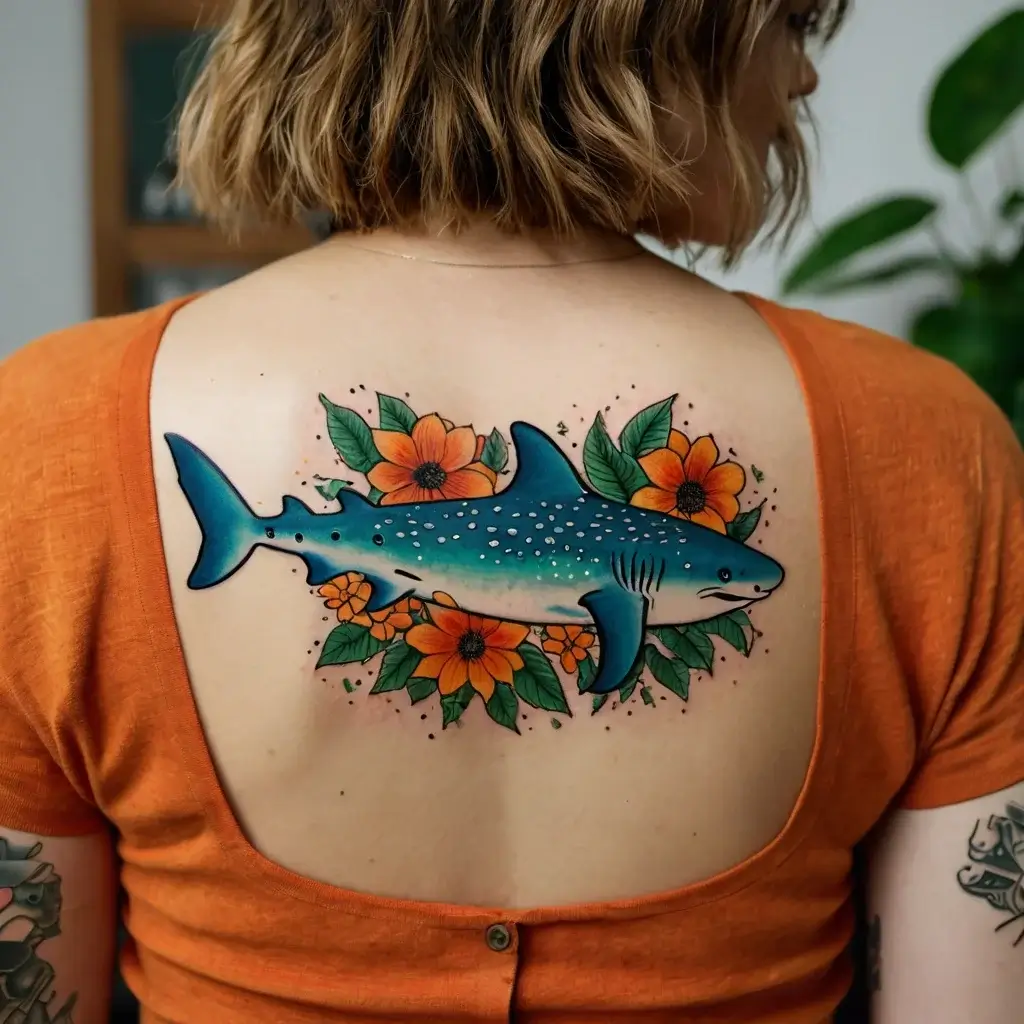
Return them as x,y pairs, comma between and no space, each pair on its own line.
725,575
378,540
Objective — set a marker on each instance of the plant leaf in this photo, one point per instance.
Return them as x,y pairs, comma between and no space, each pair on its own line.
395,414
647,696
420,689
691,646
537,682
351,437
733,628
374,496
400,661
868,227
599,702
330,489
454,704
587,671
880,275
1012,205
673,675
648,429
503,707
979,92
612,474
495,453
744,525
632,678
347,644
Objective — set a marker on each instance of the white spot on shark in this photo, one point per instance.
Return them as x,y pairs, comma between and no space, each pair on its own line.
580,533
471,526
497,508
492,544
559,529
460,514
400,536
456,536
441,540
428,526
512,532
416,544
687,566
389,522
492,529
517,515
533,515
474,511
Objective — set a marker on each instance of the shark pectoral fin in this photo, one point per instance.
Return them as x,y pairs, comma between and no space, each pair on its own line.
387,591
295,505
621,620
320,570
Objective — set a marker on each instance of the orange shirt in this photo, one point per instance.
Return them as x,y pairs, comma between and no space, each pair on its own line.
921,703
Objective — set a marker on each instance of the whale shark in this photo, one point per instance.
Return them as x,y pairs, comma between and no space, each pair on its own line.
547,550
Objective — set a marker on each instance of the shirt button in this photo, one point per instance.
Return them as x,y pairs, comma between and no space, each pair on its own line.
499,937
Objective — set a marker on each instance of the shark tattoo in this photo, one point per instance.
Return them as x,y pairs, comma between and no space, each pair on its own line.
545,551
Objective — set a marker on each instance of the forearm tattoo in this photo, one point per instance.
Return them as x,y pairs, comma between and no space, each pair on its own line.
30,906
996,871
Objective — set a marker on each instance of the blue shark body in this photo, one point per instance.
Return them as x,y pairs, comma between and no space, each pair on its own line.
546,551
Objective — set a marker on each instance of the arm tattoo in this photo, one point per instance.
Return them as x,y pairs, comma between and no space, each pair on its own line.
996,871
875,955
30,904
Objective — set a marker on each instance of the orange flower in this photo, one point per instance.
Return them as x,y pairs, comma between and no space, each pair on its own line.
460,648
570,643
433,463
348,594
689,483
384,624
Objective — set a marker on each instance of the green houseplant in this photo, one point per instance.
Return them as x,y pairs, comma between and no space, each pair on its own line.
980,323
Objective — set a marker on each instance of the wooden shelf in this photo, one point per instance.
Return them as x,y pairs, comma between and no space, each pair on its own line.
192,245
171,14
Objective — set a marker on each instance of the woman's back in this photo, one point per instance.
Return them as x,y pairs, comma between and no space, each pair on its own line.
529,805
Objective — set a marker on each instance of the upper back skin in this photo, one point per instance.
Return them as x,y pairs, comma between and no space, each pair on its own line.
369,792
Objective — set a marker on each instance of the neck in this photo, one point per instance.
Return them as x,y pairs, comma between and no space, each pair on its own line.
482,243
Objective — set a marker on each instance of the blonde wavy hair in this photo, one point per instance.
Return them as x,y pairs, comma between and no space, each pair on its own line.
538,113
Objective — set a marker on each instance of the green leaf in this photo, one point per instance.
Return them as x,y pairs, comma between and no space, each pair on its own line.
537,682
420,689
744,525
395,414
1018,412
673,675
978,94
454,704
612,474
599,702
647,696
400,661
648,429
629,684
880,275
758,475
374,496
349,688
1012,205
351,437
868,227
691,646
587,671
330,489
735,628
347,644
503,707
555,723
495,453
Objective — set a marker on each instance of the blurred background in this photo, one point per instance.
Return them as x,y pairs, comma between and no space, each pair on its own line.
917,225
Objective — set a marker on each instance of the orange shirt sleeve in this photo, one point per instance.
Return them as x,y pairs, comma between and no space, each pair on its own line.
52,525
973,742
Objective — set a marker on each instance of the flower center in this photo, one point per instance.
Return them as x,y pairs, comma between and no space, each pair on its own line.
690,498
430,476
471,645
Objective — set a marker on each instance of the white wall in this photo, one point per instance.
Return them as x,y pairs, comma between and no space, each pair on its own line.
45,278
871,108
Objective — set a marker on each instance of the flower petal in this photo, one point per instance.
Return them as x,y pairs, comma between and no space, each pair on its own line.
451,621
553,646
572,632
459,449
454,675
479,467
440,597
397,448
497,666
585,639
466,483
507,636
655,498
728,478
345,612
702,458
726,505
362,619
379,631
481,680
665,468
679,443
568,661
387,477
400,620
710,518
514,658
429,437
481,442
428,639
430,666
557,632
411,495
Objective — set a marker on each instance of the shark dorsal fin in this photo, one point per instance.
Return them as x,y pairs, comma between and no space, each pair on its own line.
541,466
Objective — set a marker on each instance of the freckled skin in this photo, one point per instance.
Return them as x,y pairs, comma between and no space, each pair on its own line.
545,552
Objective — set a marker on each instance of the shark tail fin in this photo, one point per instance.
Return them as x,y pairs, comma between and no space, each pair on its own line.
230,528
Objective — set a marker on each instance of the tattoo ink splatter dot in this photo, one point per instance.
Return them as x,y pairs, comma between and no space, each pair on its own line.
555,723
351,391
423,718
430,736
